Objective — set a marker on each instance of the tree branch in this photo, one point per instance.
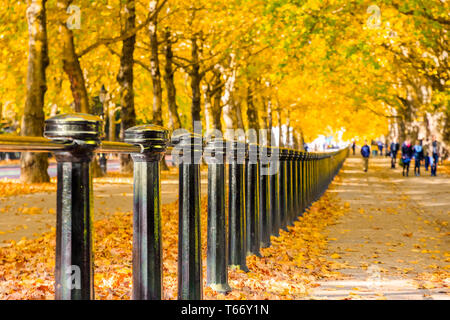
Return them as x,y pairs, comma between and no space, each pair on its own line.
132,32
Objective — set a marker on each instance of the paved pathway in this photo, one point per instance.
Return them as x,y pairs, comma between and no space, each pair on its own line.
12,171
396,228
32,214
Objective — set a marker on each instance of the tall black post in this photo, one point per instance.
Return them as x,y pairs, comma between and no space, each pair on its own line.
283,189
188,150
252,200
217,259
275,191
308,179
74,269
236,205
315,165
290,187
299,182
296,185
264,203
147,244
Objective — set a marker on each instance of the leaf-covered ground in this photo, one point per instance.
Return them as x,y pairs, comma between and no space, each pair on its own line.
349,235
287,269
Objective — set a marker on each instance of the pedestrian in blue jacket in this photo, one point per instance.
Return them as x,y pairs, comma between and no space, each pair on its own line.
407,153
365,152
418,154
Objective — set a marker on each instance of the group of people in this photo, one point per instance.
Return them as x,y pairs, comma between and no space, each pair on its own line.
427,152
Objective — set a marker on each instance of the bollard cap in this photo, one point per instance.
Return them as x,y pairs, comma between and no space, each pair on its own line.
252,152
291,153
265,154
151,137
265,150
75,126
284,153
237,150
188,139
215,146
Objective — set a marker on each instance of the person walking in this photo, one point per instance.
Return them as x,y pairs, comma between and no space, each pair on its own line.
394,150
426,154
418,154
432,164
407,153
435,150
365,152
380,147
353,147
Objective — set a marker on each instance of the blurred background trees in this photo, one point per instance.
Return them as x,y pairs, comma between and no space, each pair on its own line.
304,68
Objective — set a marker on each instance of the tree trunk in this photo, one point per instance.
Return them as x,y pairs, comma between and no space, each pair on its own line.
216,101
155,71
207,98
71,63
156,76
174,120
229,107
195,81
125,79
252,112
270,140
239,118
34,165
281,136
112,121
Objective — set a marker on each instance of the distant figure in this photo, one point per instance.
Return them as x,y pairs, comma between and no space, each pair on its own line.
432,165
418,154
353,147
393,151
407,153
365,152
435,149
426,154
380,147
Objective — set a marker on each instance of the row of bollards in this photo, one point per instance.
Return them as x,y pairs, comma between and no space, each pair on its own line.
268,189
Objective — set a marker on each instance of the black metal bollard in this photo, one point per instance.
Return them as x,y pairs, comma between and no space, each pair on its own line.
252,200
296,185
217,264
313,175
189,149
275,192
236,205
147,244
264,203
74,270
301,182
282,181
316,178
310,178
288,168
290,187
